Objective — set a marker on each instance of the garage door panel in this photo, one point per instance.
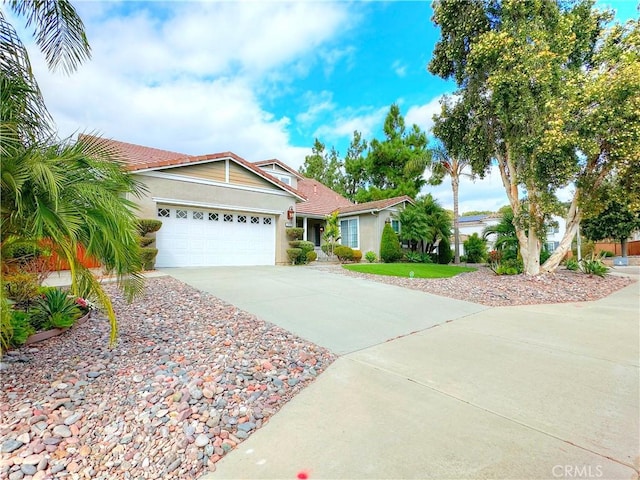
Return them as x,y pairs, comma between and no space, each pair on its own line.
197,237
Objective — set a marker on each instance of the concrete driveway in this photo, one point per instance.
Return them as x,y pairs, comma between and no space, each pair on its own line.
533,392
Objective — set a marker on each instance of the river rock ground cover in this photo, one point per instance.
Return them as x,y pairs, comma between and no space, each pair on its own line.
190,377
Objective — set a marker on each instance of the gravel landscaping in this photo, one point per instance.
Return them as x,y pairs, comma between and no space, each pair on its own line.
190,378
486,288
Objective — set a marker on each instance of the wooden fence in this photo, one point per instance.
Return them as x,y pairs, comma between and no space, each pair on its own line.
633,247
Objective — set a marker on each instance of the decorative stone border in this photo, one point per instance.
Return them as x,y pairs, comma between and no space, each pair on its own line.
40,336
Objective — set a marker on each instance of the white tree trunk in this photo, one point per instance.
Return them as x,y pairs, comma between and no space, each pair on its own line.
572,225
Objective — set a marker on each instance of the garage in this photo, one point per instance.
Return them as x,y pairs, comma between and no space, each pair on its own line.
193,237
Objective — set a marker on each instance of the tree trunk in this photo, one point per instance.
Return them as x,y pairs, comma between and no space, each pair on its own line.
531,259
623,244
456,219
572,225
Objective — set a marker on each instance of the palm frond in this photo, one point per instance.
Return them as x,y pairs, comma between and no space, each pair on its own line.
58,30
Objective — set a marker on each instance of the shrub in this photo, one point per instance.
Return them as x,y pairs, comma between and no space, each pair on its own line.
312,256
293,254
413,257
55,309
475,249
357,255
390,249
593,266
371,256
148,257
343,253
145,241
295,233
445,254
607,254
148,225
495,256
21,287
21,328
572,264
507,267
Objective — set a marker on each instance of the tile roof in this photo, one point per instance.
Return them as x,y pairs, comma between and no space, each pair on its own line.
321,200
375,205
138,157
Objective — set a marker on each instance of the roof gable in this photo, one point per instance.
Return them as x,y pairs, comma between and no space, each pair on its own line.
275,162
138,158
321,200
375,205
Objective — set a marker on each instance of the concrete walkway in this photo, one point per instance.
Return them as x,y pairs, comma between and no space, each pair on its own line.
532,392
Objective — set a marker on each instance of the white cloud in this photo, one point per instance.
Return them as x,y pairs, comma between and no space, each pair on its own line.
399,68
193,77
318,104
365,120
422,115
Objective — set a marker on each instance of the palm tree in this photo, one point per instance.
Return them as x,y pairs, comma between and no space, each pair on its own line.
443,164
506,240
414,225
62,193
438,221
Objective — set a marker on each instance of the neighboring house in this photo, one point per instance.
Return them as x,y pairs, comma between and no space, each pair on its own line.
477,223
220,209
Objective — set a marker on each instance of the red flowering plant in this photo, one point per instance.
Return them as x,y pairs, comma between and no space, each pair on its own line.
85,305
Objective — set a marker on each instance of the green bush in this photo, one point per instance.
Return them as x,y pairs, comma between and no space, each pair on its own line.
445,254
475,249
55,309
145,241
21,328
343,253
593,266
148,225
293,254
607,254
295,233
357,255
417,257
148,257
371,256
312,256
572,264
390,249
21,287
507,267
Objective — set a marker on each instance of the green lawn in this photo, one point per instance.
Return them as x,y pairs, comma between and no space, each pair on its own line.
420,270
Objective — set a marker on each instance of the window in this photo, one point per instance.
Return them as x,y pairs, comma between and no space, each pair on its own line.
213,217
198,215
395,224
227,217
284,179
242,219
551,246
349,232
266,221
181,214
164,213
255,220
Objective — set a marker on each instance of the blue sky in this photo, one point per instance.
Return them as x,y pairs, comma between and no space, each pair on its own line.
262,79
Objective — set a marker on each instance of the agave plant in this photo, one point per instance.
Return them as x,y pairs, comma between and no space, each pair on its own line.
55,309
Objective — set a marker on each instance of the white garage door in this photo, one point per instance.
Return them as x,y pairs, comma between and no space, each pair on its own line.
200,238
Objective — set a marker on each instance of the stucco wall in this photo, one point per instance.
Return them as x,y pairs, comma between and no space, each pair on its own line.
240,199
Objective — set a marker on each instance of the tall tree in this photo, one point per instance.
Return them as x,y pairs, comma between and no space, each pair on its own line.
616,222
355,166
397,163
65,194
449,157
551,96
324,166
